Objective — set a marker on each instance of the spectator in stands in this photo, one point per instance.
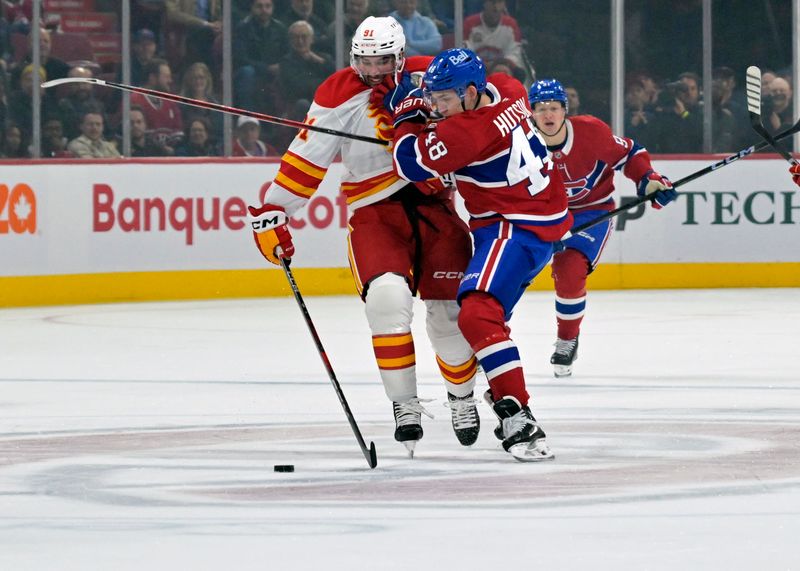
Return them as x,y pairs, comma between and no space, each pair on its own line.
91,145
304,10
677,125
354,13
767,76
199,84
164,119
54,143
15,143
302,69
422,36
144,49
259,42
20,101
141,144
19,14
54,67
78,99
148,14
247,143
199,23
506,66
198,142
637,111
573,100
493,34
780,93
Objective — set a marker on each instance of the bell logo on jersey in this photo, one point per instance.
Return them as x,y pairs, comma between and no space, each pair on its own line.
17,209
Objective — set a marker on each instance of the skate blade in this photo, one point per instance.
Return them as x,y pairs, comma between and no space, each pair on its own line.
536,451
560,371
410,445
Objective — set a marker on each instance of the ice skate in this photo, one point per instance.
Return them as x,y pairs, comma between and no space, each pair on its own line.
466,421
498,430
524,439
408,422
562,358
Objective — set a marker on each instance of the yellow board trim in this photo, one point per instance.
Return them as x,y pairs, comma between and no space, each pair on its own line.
221,284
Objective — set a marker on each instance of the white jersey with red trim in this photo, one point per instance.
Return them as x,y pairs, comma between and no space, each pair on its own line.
341,102
498,159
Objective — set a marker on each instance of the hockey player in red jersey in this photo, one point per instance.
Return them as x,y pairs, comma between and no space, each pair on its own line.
586,153
401,241
487,144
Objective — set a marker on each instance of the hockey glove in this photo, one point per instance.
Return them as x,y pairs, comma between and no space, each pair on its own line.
271,232
659,186
413,108
388,94
795,170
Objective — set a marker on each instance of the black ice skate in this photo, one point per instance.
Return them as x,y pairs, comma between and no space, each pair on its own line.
562,358
466,422
524,439
408,422
498,430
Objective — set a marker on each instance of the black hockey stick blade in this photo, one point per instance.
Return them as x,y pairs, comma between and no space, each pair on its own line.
687,179
369,453
754,108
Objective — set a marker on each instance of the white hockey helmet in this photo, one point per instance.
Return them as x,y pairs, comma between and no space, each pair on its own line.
379,37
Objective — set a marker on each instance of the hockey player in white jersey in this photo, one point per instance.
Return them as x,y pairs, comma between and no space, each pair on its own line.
400,240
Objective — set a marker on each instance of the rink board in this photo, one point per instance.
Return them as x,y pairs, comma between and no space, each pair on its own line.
82,232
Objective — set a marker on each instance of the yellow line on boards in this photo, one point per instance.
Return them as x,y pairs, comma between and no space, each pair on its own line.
20,291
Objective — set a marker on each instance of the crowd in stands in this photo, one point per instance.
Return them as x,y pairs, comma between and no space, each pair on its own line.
282,50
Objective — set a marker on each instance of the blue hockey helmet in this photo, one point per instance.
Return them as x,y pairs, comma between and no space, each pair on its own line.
547,90
456,68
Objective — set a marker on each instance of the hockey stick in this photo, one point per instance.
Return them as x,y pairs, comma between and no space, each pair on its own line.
213,106
369,453
685,180
754,108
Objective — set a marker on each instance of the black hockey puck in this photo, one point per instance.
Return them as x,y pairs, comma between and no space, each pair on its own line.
284,467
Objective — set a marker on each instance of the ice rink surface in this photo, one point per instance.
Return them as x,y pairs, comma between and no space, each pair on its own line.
143,436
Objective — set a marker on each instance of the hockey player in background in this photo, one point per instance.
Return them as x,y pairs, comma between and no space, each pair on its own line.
586,153
400,240
517,207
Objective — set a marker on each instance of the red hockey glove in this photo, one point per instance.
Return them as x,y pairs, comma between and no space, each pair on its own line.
271,232
413,108
795,170
659,186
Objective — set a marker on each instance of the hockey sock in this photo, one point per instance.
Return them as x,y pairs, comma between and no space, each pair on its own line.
397,361
482,321
570,269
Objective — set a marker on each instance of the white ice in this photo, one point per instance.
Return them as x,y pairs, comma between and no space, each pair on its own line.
144,436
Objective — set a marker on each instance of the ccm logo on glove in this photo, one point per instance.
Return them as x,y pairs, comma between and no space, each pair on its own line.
271,232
